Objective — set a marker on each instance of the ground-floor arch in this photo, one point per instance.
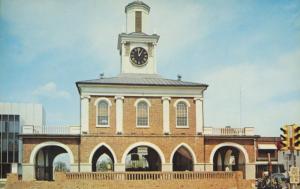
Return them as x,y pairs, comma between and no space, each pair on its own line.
229,157
143,156
183,158
102,158
43,156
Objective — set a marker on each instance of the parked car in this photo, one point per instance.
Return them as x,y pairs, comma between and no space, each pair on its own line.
279,179
279,176
275,181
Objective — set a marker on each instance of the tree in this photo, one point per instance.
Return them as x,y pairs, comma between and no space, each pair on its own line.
61,167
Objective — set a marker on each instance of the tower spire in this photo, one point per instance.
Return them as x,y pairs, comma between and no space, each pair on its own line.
136,16
137,48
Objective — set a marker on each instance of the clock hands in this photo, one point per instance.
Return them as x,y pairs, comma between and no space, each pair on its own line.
139,52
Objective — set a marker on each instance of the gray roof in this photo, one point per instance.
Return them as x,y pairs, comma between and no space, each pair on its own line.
142,80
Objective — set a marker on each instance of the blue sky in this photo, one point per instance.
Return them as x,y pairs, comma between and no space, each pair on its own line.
247,51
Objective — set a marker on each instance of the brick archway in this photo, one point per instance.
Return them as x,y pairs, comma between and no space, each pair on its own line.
50,143
183,158
156,148
99,146
188,148
229,144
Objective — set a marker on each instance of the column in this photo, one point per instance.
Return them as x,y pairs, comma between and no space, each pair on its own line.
14,168
84,114
119,167
250,170
199,166
199,115
28,171
119,114
167,167
166,115
74,167
84,167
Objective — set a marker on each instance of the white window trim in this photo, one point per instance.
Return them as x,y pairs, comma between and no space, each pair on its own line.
97,101
136,112
187,105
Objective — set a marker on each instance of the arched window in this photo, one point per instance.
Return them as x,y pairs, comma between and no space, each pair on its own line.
181,114
142,114
103,117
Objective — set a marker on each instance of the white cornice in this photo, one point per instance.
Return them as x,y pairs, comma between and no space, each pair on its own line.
112,90
123,38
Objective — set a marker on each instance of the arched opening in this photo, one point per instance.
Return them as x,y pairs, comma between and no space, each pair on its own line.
103,160
61,163
228,158
182,160
142,158
49,159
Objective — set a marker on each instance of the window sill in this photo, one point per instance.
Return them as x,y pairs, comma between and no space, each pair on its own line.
182,127
143,127
102,126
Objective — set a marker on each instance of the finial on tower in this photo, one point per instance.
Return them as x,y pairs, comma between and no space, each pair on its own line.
137,4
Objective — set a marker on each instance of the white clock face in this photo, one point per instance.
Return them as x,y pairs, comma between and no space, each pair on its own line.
139,56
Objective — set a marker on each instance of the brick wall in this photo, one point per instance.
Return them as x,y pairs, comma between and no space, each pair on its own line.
129,117
155,117
247,143
30,143
92,117
191,118
120,143
62,183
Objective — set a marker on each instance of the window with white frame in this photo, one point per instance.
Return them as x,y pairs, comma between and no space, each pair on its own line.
181,114
103,114
142,114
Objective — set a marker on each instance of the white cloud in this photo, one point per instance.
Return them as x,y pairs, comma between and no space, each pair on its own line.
267,94
91,27
50,90
94,26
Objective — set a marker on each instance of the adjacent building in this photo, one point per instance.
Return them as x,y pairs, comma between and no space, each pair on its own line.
267,156
13,117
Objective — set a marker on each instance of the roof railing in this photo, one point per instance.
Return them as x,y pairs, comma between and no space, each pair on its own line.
61,130
229,131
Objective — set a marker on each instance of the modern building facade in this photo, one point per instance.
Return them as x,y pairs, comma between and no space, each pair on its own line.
140,120
13,117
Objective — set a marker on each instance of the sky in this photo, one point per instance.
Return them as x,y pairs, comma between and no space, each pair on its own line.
247,51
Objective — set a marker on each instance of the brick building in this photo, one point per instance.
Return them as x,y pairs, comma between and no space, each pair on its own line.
140,121
267,155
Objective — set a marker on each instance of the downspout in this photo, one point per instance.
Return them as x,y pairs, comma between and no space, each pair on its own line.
204,152
203,132
255,148
79,159
79,142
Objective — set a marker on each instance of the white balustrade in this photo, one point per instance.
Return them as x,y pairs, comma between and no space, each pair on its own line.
228,131
151,175
62,130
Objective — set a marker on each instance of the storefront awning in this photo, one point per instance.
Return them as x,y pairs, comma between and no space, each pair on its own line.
267,147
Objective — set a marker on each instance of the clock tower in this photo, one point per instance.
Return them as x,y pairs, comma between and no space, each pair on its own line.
137,49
